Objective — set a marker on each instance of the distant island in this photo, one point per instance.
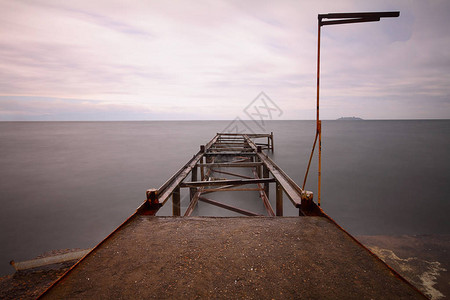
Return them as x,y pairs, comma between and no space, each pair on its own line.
349,118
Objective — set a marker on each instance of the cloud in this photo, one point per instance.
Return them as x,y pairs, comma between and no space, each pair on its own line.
214,56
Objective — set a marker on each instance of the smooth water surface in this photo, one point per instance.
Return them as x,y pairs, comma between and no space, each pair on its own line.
69,184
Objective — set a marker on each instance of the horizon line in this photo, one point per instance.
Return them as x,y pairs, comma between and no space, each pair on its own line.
222,120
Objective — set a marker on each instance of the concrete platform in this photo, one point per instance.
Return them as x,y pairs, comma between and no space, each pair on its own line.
248,257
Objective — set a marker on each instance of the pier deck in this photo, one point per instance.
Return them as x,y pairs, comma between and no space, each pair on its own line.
245,257
255,257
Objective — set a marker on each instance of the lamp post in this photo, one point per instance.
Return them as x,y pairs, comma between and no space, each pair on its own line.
336,19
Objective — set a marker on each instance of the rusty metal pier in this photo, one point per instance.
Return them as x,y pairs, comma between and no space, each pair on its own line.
252,257
233,155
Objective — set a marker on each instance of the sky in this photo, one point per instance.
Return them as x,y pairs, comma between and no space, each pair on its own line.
210,60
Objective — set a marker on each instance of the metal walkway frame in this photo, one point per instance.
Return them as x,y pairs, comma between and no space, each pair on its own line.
241,152
155,254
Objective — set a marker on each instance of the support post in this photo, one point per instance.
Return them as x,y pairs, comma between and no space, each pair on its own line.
193,178
307,202
319,129
266,175
340,18
279,199
258,168
202,169
176,209
271,139
152,205
320,160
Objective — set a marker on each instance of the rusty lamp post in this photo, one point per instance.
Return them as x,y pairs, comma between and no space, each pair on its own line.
336,19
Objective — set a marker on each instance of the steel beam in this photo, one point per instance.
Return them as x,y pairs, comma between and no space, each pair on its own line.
207,154
260,163
231,164
226,182
193,202
170,185
264,197
229,207
243,149
231,174
291,189
230,189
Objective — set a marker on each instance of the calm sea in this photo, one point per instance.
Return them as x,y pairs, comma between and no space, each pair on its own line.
69,184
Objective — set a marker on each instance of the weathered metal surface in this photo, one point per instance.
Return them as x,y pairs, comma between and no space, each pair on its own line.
231,258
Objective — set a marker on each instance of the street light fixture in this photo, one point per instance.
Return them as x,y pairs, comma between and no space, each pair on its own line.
336,19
